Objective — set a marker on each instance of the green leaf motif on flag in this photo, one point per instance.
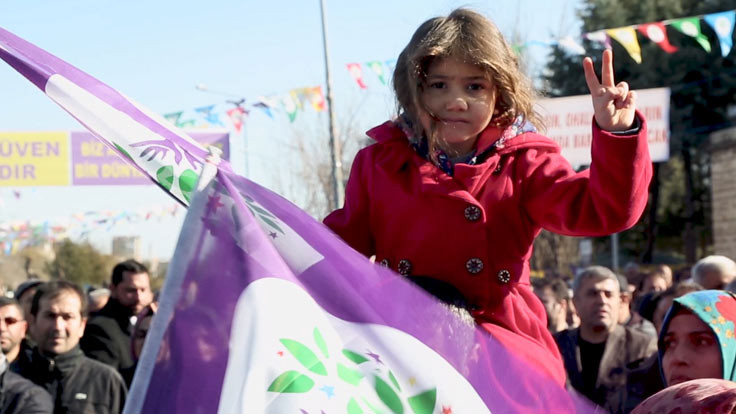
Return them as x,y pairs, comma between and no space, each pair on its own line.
393,380
272,224
388,396
348,375
262,213
122,151
373,408
291,382
353,407
424,403
320,341
165,177
354,356
187,182
305,356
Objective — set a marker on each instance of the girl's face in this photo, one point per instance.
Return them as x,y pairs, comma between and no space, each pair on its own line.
691,350
460,99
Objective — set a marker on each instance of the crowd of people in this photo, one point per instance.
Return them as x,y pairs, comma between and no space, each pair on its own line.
65,350
628,339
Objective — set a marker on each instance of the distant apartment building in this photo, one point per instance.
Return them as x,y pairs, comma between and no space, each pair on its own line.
127,247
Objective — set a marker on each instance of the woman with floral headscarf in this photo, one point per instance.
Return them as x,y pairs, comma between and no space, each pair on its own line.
697,341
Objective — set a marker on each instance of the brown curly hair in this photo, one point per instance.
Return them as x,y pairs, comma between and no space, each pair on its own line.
470,37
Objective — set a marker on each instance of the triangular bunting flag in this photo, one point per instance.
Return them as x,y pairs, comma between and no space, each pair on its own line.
657,33
690,26
173,117
599,37
212,118
377,68
318,99
264,104
296,99
627,37
290,107
722,24
572,45
236,118
356,71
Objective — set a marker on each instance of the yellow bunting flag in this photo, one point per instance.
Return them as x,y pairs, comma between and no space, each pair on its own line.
627,37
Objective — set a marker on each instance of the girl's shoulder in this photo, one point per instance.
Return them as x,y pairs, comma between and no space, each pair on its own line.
387,132
390,150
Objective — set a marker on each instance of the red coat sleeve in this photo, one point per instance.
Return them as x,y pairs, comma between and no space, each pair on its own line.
352,222
607,198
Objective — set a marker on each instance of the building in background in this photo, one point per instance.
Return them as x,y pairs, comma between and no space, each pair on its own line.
128,247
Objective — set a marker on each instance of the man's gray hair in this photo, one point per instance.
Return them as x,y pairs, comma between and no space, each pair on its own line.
596,273
721,264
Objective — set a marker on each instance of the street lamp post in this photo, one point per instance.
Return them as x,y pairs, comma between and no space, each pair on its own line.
338,192
238,102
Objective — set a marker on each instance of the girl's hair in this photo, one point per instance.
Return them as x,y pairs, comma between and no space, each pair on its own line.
470,37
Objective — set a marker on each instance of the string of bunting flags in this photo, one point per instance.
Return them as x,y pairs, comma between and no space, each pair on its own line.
18,234
297,100
721,22
216,115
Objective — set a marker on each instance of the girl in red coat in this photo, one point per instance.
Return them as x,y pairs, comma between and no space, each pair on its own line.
456,189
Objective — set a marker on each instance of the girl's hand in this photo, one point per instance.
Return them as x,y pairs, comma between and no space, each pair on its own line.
614,105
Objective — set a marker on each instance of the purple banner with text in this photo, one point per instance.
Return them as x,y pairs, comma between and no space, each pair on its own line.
94,163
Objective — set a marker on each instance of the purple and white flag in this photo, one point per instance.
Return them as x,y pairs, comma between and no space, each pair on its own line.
159,150
265,310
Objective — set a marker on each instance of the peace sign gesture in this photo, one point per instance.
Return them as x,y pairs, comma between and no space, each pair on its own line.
614,105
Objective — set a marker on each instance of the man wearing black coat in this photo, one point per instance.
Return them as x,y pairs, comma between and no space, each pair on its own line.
107,337
77,384
21,396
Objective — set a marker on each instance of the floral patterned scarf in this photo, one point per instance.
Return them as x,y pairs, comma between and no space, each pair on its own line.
421,145
717,308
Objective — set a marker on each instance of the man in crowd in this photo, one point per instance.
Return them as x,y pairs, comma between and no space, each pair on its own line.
19,395
107,338
597,352
13,327
24,294
77,384
714,272
554,294
625,315
97,300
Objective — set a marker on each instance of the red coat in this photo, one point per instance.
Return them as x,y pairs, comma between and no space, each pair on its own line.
475,229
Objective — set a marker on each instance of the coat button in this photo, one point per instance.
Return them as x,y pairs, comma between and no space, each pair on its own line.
472,213
404,267
498,168
385,263
504,276
474,266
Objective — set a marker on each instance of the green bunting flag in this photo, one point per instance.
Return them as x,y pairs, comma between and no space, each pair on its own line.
690,26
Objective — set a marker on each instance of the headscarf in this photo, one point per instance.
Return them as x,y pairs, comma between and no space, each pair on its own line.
717,309
698,396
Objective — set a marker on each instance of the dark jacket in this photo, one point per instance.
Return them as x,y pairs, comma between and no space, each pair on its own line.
19,395
77,384
624,347
642,382
107,336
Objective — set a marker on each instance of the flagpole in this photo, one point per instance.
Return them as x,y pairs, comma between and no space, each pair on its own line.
338,192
